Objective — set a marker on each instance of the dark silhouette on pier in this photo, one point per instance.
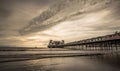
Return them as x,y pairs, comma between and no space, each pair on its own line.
55,44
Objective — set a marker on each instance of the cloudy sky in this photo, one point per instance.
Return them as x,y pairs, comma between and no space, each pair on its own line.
35,22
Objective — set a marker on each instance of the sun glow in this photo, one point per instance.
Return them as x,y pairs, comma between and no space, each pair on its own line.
34,37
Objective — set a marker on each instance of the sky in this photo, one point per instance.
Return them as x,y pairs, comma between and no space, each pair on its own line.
31,23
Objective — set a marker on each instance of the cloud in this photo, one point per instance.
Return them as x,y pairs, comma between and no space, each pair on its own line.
56,19
63,10
15,14
89,24
52,11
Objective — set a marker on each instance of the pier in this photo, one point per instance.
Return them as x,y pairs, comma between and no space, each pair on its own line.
109,42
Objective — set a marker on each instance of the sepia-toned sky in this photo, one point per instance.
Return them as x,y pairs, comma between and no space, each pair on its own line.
34,22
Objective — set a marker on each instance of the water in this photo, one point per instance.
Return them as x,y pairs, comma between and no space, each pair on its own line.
109,62
59,64
45,51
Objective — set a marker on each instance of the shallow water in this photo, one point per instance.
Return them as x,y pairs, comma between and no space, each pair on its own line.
109,62
47,51
60,64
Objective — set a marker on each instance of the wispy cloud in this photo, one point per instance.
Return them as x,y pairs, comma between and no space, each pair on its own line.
61,11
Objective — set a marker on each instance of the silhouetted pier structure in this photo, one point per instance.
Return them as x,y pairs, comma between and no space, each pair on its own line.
107,43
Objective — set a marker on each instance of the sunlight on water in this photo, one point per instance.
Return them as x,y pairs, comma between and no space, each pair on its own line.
59,64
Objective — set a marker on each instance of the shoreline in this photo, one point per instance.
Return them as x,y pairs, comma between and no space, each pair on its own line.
34,57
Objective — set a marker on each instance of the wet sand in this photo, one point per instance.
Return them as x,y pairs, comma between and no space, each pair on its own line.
59,64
